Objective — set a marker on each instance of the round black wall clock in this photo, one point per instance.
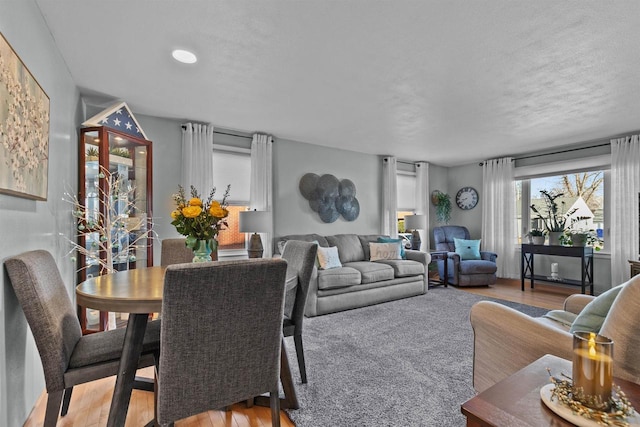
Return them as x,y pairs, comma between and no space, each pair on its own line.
467,198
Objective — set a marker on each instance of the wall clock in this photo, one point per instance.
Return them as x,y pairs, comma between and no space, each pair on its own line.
467,198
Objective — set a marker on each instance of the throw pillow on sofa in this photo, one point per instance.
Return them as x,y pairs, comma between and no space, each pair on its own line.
384,251
467,249
403,255
592,316
328,258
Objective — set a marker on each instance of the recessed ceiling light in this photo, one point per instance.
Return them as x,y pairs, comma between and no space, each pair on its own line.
184,56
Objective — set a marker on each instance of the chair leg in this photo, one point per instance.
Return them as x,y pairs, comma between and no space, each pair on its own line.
300,353
274,399
53,408
66,399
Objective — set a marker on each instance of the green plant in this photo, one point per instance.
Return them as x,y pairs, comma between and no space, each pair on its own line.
590,236
443,207
92,152
552,218
122,152
536,232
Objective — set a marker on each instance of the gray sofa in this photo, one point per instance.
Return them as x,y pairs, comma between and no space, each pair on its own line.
360,282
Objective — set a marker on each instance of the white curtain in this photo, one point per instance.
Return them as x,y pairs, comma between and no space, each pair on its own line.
499,214
197,158
261,183
422,200
389,196
625,188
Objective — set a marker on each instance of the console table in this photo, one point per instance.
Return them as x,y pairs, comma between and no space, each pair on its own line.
585,253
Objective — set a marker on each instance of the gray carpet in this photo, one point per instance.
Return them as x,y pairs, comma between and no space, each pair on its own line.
401,363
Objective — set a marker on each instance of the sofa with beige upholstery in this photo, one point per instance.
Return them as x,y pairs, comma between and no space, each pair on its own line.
506,340
359,281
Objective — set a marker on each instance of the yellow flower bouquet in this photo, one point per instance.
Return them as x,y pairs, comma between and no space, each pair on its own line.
198,219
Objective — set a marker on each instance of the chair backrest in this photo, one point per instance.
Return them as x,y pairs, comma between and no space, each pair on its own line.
621,325
51,316
220,336
300,256
174,251
443,236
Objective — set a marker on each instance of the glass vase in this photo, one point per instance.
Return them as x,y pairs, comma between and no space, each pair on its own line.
205,251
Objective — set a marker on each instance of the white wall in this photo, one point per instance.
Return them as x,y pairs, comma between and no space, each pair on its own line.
292,214
27,224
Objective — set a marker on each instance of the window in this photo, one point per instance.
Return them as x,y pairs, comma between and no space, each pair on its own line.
406,193
232,167
583,197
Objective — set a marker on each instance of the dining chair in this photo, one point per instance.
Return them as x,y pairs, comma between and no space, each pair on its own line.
174,251
220,337
301,257
68,358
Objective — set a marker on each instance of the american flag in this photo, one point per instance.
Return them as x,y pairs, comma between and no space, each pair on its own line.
118,117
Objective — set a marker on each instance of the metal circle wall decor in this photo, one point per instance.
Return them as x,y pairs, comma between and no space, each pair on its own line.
330,197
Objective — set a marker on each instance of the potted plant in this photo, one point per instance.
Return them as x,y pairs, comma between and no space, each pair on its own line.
581,238
552,217
537,236
442,201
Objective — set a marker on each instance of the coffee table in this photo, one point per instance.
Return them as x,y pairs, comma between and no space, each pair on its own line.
515,401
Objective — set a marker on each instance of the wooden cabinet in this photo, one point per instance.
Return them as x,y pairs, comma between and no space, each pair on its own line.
115,191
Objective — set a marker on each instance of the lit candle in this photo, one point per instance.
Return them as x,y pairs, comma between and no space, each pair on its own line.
593,368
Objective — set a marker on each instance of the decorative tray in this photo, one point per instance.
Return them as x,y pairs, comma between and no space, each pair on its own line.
566,413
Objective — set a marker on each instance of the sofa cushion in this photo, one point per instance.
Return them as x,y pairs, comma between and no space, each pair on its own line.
478,267
384,251
372,271
349,247
338,278
328,258
398,241
303,237
365,239
467,249
403,267
593,314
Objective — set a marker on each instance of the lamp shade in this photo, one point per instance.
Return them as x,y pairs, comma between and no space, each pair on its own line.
255,221
415,222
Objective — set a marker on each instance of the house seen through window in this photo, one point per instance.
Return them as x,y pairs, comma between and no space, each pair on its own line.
582,202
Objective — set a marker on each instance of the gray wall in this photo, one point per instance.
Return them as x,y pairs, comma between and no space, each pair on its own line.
292,215
27,224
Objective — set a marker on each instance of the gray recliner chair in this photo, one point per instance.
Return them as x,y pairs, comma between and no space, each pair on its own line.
460,272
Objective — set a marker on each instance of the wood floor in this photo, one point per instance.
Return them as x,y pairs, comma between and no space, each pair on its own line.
90,402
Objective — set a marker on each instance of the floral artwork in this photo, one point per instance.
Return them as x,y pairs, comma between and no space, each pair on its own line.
24,129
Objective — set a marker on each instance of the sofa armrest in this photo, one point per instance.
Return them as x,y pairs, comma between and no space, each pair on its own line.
488,256
454,257
421,257
576,302
506,340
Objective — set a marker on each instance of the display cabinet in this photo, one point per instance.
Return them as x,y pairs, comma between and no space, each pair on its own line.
115,193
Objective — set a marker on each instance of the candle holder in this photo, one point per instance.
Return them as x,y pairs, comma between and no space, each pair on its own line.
592,369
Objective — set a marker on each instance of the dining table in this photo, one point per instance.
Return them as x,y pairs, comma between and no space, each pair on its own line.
139,293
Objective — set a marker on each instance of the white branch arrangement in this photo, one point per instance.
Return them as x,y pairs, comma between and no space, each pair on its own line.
110,225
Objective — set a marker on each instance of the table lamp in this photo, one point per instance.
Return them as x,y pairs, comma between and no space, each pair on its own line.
255,222
415,222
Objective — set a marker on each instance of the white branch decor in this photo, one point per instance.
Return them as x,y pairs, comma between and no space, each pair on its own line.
111,226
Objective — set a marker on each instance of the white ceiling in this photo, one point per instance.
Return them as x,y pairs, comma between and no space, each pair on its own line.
449,82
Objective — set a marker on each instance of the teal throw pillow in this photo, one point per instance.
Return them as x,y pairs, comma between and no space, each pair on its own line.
593,314
467,249
403,255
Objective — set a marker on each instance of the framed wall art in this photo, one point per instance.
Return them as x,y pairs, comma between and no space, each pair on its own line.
24,129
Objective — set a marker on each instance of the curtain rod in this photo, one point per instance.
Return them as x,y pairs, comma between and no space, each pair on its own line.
225,133
568,150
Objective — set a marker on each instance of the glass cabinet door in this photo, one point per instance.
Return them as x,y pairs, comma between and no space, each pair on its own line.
115,192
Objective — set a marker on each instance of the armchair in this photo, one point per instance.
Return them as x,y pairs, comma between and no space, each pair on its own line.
506,340
460,272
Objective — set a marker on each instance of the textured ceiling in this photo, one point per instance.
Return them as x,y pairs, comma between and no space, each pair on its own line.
449,82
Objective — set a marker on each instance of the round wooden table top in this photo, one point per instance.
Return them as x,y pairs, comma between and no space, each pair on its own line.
131,291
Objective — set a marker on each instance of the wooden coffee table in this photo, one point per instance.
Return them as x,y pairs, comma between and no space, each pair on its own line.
515,401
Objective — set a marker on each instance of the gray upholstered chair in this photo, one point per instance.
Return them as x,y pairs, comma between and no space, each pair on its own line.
221,336
174,251
506,340
68,357
301,257
463,272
